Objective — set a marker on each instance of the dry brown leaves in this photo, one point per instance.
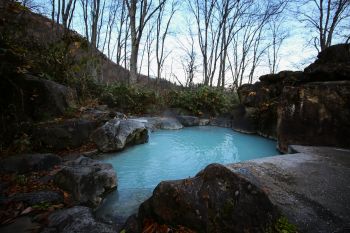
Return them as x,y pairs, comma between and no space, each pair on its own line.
15,184
79,150
150,226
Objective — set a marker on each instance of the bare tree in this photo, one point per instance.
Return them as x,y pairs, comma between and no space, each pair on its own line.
143,10
147,48
95,14
126,37
100,24
122,34
113,9
230,15
161,34
189,63
67,11
85,7
217,23
203,12
249,45
277,35
189,57
324,16
53,11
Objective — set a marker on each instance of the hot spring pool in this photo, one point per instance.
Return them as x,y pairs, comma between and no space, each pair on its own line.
175,154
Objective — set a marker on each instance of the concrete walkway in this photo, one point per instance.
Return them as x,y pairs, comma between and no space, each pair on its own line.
311,187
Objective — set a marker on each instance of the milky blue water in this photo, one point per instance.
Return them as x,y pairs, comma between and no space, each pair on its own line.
175,154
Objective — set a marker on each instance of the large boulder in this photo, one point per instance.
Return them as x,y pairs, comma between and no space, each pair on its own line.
156,123
116,134
44,98
332,64
170,123
270,194
26,98
221,121
29,162
188,121
151,123
87,180
315,114
70,133
78,219
215,200
100,113
244,119
204,121
257,112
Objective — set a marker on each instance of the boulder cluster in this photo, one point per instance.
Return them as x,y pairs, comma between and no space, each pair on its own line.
305,108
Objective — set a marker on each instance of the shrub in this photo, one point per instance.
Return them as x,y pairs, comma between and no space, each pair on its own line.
208,100
131,99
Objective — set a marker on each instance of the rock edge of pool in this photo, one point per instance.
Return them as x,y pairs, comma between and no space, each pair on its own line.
172,155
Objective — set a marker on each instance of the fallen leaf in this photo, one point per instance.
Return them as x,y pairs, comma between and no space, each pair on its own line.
27,210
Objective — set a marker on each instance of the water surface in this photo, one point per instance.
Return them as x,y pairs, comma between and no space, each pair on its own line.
175,154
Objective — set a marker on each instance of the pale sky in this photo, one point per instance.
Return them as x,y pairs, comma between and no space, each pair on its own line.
295,54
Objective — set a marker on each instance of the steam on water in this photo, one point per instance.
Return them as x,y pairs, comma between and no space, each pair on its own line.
172,155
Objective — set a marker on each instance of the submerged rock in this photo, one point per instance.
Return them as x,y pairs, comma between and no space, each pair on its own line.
29,162
87,180
188,121
116,134
78,219
215,200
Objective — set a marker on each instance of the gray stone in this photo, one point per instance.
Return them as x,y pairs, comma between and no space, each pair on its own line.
156,123
131,225
310,189
170,123
215,200
66,134
77,219
244,119
98,115
35,198
45,98
188,121
29,162
87,180
116,134
314,114
151,123
101,113
204,121
224,122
